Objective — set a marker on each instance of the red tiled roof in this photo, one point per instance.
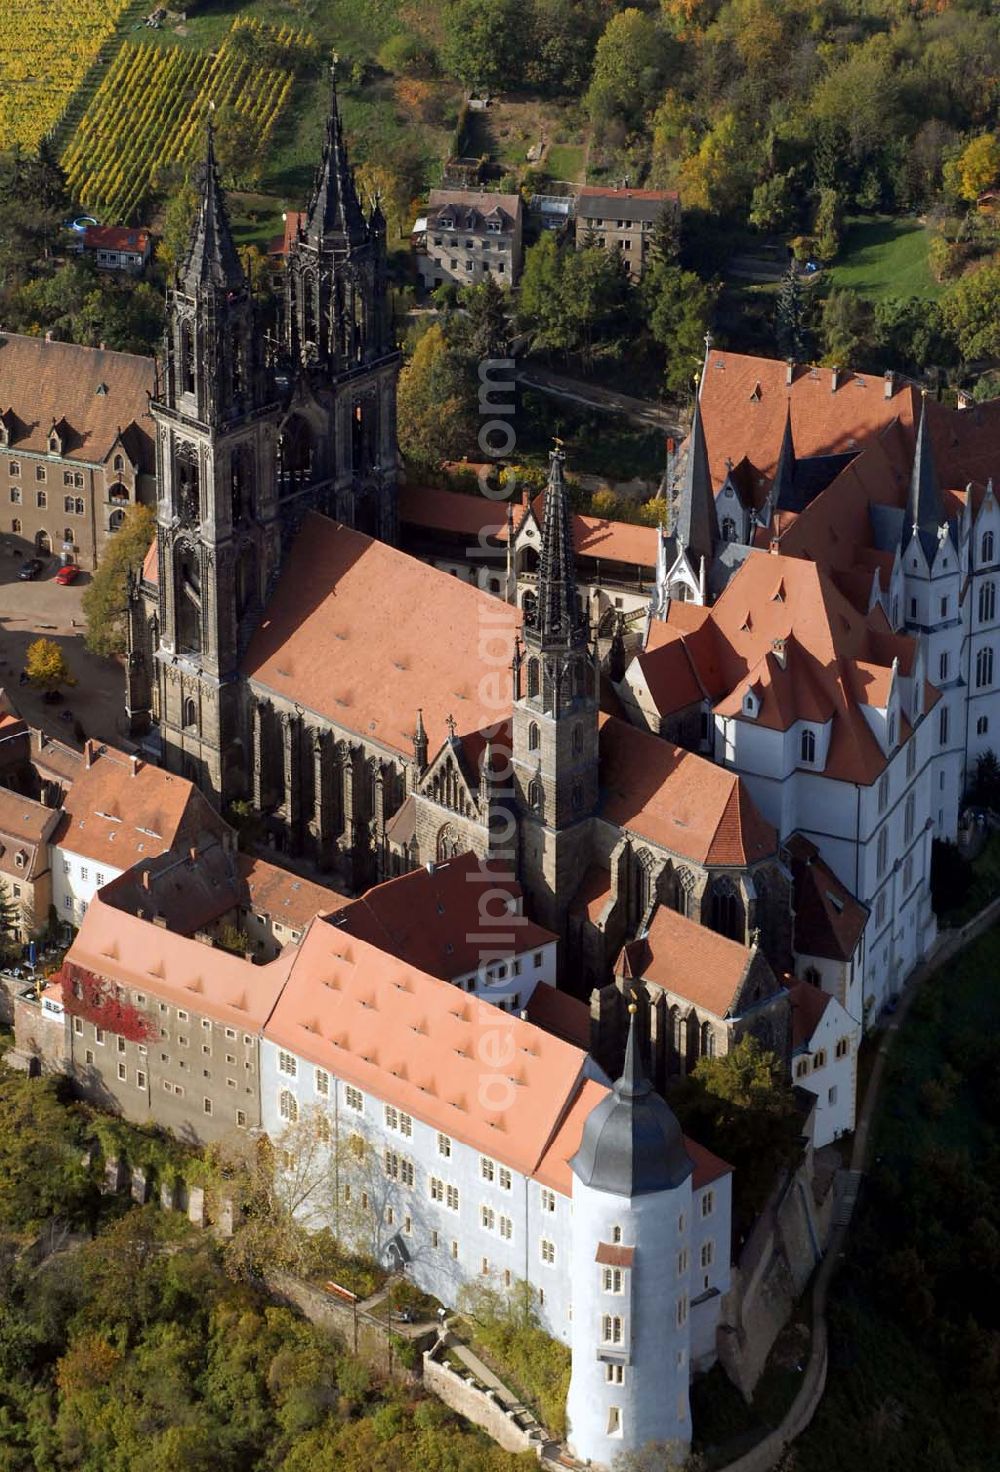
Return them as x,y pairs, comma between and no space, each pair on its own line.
328,640
416,1042
136,954
450,511
808,1005
25,830
829,921
745,400
151,565
594,191
688,960
678,800
431,918
283,896
614,1255
121,809
95,391
594,536
116,237
592,894
560,1014
707,1167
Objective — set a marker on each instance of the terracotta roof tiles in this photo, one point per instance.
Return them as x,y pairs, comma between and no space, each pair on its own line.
327,643
688,960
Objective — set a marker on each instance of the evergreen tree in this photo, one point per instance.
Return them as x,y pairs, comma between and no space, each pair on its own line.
484,331
788,314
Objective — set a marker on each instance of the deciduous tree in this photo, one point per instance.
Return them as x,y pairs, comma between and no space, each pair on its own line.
105,597
46,665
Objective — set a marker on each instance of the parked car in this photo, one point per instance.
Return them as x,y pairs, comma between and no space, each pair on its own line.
68,573
30,568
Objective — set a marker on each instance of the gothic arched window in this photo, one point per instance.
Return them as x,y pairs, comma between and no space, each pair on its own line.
535,795
984,668
986,548
729,531
187,358
447,843
190,718
987,600
532,677
529,606
808,746
707,1040
534,737
727,909
116,520
578,740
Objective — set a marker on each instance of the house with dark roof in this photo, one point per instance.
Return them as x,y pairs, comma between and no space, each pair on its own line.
467,235
622,219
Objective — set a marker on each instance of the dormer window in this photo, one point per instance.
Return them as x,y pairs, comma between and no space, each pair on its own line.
808,746
55,445
19,860
750,704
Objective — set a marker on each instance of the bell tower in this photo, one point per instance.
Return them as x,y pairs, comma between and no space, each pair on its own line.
338,448
217,514
555,750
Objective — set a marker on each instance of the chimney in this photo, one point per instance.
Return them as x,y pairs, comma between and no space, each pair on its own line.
88,753
789,372
146,879
430,866
834,379
775,547
193,853
140,913
963,399
780,651
135,764
889,384
48,337
525,500
160,920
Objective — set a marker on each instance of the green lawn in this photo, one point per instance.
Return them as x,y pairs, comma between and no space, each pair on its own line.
884,257
564,161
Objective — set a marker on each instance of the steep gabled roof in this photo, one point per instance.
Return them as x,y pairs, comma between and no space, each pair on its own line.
689,961
328,639
677,800
829,921
695,524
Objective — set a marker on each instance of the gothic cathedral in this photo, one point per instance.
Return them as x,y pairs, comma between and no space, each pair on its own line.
252,433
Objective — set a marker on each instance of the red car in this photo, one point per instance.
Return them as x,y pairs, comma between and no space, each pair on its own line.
67,573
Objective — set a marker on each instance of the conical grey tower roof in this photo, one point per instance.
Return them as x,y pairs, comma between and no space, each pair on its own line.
334,208
696,524
558,620
632,1143
212,258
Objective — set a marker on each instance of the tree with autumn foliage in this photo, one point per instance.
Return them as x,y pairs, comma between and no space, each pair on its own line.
46,665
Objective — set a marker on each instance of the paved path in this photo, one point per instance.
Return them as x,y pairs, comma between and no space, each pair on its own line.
644,412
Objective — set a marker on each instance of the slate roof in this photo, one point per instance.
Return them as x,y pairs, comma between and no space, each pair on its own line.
623,204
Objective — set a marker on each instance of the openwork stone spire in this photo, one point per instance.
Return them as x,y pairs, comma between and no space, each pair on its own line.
212,258
697,524
334,208
558,620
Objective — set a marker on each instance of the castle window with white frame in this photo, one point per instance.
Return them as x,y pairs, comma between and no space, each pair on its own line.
986,548
984,668
612,1328
843,1047
882,851
883,792
911,757
682,1310
614,1374
612,1280
288,1064
322,1082
987,602
707,1253
616,1234
880,911
444,1146
487,1168
288,1107
354,1098
436,1187
548,1199
982,725
708,1203
682,1262
615,1426
487,1218
451,1197
547,1250
909,816
506,1228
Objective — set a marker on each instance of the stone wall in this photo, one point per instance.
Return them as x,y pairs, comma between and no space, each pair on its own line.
774,1267
481,1407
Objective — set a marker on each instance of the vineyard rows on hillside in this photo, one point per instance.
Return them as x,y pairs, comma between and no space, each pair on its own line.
150,109
46,48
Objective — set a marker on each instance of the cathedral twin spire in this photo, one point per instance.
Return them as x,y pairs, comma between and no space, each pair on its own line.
212,259
335,209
